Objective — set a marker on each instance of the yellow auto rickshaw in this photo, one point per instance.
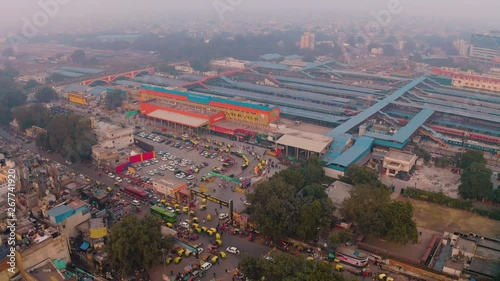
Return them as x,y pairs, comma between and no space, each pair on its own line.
198,230
177,260
176,206
203,207
210,232
203,201
181,251
339,267
213,229
195,220
185,209
214,260
218,242
217,236
209,217
191,213
310,258
190,231
169,224
187,254
109,189
204,228
223,255
168,261
195,225
177,211
336,260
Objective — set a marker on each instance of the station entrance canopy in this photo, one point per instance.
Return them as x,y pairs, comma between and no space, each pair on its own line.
179,118
302,140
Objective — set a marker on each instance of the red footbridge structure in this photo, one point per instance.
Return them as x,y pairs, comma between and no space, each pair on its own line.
110,78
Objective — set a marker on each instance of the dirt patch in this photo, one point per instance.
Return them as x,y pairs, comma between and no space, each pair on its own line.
439,218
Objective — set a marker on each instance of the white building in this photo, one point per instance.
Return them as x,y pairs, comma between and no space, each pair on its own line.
112,136
229,63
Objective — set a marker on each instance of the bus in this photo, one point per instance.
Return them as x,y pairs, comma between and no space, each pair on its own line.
352,256
136,193
163,214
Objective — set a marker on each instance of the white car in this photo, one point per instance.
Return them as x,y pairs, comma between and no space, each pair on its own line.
222,158
206,266
233,250
190,177
200,250
269,259
151,173
183,164
223,216
111,175
118,179
180,176
247,203
184,224
164,158
163,168
170,209
127,180
170,168
136,203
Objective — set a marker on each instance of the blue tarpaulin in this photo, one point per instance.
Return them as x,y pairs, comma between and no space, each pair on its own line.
85,245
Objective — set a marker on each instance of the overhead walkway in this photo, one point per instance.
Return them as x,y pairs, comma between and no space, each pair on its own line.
389,119
358,119
227,80
435,136
307,74
361,147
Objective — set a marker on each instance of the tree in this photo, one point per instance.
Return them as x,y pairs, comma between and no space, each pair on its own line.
310,219
410,46
30,84
252,267
361,175
399,224
46,94
79,56
56,77
136,244
312,169
365,205
389,50
471,156
475,182
6,115
115,99
292,176
337,238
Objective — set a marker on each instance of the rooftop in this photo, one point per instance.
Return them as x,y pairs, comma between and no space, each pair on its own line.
484,268
400,155
47,271
75,88
409,129
178,118
338,191
355,152
271,56
59,210
308,141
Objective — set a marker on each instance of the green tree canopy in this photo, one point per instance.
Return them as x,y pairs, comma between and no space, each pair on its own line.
476,182
6,115
79,56
337,238
115,99
287,268
312,169
471,156
136,244
361,175
375,214
46,94
30,84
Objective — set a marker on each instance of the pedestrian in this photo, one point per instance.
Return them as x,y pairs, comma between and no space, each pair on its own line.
214,274
227,271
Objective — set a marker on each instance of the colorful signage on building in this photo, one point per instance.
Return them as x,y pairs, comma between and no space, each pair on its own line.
77,98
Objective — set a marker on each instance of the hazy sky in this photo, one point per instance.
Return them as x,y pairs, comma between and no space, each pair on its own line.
12,12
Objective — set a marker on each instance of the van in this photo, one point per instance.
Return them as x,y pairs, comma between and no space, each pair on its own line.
206,266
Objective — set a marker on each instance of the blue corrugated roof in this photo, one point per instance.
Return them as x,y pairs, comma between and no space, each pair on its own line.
404,133
99,90
293,57
271,56
311,115
367,113
337,147
67,73
75,88
360,148
337,86
59,210
82,70
127,83
269,65
157,80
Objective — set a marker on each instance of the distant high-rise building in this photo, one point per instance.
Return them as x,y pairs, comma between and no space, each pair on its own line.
462,47
485,48
307,41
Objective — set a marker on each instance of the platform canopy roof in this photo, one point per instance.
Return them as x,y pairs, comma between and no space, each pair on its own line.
179,118
304,140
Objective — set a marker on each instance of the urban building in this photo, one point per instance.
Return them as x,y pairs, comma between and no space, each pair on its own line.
228,63
397,161
470,79
307,41
485,48
112,136
67,217
462,47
